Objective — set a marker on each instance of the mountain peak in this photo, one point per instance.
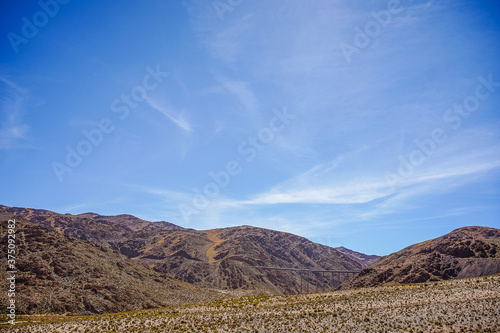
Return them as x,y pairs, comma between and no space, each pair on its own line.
223,258
364,259
465,252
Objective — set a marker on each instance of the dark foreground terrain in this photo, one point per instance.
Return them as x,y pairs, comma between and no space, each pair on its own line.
460,305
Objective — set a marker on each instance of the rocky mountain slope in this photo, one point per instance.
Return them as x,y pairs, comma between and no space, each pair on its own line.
109,231
132,222
227,259
57,273
219,258
364,259
465,252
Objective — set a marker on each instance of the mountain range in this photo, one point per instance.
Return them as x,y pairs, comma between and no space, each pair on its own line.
90,263
139,252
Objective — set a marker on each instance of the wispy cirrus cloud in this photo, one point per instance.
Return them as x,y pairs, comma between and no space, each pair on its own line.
327,188
13,131
242,91
342,192
177,118
365,192
166,195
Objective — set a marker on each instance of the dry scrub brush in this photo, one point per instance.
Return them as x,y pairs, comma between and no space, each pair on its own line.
469,305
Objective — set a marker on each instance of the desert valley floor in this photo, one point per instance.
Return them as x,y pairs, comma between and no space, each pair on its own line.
461,305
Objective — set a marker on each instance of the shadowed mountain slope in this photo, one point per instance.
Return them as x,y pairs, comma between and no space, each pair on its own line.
57,273
463,253
364,259
110,231
226,258
218,258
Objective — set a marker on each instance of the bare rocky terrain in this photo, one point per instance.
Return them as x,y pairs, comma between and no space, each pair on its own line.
218,258
227,259
57,273
461,305
364,259
464,252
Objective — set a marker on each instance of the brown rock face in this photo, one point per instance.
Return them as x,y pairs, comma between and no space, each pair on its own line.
219,258
226,259
465,252
57,273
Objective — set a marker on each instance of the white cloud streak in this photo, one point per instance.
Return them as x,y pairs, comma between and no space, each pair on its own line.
177,119
13,132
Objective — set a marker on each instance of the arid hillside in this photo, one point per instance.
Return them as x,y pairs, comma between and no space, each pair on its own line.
465,252
227,259
134,223
109,231
364,259
219,258
57,273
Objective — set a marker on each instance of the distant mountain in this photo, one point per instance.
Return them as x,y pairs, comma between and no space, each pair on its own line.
364,259
463,253
110,231
219,258
227,259
57,273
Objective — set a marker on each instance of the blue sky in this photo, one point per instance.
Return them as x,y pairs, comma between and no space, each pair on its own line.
368,124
